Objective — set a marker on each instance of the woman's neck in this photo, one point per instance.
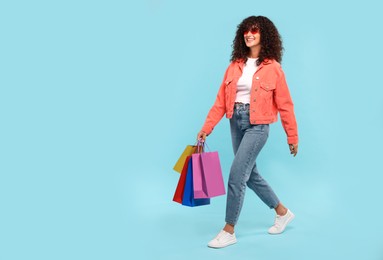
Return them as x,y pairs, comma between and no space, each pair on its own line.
254,51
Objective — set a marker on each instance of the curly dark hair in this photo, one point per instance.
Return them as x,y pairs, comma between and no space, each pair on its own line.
271,42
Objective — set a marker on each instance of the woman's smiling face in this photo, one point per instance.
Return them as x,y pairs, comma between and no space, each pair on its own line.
252,37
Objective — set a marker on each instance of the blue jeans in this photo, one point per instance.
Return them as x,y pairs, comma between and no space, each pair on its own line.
248,140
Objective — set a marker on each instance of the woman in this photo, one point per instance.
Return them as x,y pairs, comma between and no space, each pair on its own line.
252,93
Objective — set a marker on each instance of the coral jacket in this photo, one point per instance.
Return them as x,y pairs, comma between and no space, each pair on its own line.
269,95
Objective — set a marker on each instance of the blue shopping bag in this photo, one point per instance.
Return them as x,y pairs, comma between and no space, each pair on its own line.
188,196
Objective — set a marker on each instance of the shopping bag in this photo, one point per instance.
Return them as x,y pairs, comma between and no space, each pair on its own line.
188,196
189,150
207,175
178,194
199,181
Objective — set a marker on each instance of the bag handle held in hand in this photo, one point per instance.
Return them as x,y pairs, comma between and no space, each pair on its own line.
201,144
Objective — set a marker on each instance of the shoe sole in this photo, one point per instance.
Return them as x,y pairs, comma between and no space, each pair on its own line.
288,222
218,247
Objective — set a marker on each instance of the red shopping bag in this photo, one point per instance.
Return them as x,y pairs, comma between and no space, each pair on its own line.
178,194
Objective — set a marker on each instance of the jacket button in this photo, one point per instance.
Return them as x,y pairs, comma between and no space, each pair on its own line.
254,100
256,89
253,122
257,78
253,110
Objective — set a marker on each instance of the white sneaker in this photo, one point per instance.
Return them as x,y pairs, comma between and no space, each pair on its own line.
281,223
223,239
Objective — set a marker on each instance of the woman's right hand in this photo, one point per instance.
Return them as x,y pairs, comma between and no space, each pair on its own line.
201,135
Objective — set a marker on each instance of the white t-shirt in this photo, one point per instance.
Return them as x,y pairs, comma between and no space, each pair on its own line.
246,80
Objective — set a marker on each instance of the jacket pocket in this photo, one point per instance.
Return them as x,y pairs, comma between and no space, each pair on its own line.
267,86
266,98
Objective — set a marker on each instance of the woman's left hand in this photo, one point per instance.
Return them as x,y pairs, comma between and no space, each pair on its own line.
293,149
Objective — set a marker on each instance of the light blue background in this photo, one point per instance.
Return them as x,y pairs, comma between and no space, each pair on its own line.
99,98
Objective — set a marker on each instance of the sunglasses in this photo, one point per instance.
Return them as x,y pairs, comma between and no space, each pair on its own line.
252,30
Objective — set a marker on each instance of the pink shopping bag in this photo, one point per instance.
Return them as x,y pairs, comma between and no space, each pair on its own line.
207,175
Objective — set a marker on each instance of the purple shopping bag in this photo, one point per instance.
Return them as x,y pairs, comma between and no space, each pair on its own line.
207,175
